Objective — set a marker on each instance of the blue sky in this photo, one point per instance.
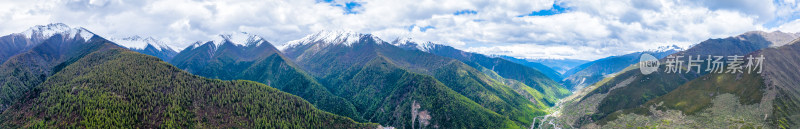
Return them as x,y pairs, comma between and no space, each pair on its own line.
349,7
556,9
575,29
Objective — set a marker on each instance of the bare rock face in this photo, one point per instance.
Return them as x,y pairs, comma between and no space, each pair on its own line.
424,116
414,112
777,38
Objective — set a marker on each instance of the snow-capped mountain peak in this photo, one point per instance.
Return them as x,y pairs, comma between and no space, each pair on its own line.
412,44
137,42
195,45
47,31
343,37
666,48
402,41
241,38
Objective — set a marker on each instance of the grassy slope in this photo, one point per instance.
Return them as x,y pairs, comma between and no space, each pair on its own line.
696,97
780,72
643,89
697,94
647,87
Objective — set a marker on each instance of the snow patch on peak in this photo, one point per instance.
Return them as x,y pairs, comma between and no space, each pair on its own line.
402,41
195,45
411,43
241,38
47,31
666,48
85,34
137,42
343,37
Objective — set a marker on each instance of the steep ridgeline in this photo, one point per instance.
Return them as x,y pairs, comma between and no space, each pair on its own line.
501,66
780,72
549,88
17,43
384,81
249,57
592,72
147,46
52,47
112,87
691,100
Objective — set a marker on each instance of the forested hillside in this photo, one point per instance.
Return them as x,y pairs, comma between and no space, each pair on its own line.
113,87
26,70
260,63
347,71
542,81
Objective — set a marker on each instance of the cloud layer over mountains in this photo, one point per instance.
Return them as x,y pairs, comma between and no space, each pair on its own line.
578,29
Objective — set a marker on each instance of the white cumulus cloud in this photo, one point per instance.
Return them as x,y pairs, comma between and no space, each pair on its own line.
585,29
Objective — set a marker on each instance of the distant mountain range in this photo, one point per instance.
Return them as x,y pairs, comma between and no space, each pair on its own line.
547,70
594,71
559,65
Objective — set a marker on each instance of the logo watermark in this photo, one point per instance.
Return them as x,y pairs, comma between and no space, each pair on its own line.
714,64
648,64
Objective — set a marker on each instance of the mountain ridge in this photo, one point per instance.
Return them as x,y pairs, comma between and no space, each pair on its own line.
149,46
87,92
252,58
17,43
348,64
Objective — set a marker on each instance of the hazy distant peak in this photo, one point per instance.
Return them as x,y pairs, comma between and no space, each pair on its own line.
138,42
666,48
